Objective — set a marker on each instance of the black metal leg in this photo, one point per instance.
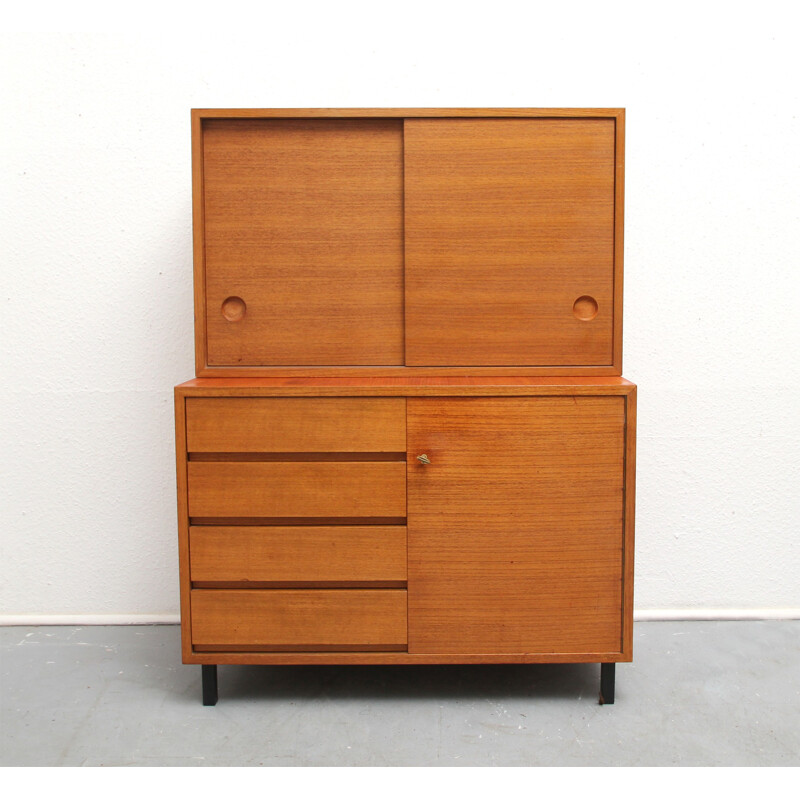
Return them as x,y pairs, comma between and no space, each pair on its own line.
209,684
607,675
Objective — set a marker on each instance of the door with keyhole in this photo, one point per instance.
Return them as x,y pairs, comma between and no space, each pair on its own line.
515,524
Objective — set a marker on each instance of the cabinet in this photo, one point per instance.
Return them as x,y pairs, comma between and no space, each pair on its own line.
312,532
409,241
408,441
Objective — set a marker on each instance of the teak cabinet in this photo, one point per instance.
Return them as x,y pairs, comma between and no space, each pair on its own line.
408,441
464,243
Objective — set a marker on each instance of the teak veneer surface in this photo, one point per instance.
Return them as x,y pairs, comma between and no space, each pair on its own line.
408,241
222,489
535,471
303,221
344,113
372,285
406,386
340,553
515,529
298,656
299,618
312,425
507,223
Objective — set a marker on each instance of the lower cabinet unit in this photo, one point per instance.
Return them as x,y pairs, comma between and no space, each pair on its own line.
423,521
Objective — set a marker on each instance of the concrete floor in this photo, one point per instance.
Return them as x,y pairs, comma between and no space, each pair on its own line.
697,693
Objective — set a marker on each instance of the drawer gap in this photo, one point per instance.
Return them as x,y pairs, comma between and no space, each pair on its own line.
304,648
299,584
237,521
389,456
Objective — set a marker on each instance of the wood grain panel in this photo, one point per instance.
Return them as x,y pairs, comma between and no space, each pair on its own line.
303,222
515,529
263,618
198,247
295,425
296,489
410,386
249,113
322,656
403,372
183,522
297,554
630,518
507,223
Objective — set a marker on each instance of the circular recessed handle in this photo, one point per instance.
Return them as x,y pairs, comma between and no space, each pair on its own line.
585,308
424,459
233,309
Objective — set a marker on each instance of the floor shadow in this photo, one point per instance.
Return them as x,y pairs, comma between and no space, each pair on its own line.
452,682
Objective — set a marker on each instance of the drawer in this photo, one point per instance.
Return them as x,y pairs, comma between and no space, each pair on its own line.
299,619
296,425
298,554
231,489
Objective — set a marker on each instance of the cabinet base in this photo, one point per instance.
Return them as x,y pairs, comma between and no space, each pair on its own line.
607,684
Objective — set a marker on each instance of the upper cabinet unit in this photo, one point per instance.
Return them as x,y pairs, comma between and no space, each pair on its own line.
443,242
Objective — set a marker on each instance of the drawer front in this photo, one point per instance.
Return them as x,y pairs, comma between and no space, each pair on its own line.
298,619
297,554
232,489
296,425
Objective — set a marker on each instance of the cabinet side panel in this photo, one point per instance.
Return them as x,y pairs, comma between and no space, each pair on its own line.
515,528
630,516
303,239
619,236
183,524
509,231
198,246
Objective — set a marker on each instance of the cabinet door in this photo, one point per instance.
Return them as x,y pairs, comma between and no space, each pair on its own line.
509,242
515,527
303,241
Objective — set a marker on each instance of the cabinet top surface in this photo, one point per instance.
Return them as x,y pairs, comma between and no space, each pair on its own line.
404,386
201,113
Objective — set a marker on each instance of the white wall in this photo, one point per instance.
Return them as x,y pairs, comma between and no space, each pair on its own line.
96,269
